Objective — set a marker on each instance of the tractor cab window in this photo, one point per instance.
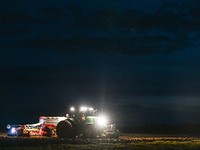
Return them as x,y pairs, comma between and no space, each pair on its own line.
90,113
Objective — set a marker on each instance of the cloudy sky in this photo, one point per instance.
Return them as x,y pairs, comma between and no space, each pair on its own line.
136,61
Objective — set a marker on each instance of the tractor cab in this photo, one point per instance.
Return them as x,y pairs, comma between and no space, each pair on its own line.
83,113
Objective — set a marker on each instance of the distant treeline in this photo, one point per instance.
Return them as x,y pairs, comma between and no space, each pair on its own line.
184,129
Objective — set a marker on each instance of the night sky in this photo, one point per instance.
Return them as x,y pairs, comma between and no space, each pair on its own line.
137,61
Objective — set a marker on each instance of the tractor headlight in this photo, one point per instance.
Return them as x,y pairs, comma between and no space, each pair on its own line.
102,121
13,130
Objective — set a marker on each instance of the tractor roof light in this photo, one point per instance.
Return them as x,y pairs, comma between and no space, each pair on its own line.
72,108
91,109
83,109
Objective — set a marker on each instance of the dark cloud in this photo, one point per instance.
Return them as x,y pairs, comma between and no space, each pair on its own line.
129,32
2,11
12,18
127,46
18,30
133,106
52,15
51,11
17,24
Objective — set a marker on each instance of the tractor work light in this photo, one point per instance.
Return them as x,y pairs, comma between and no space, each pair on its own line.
72,108
83,109
102,121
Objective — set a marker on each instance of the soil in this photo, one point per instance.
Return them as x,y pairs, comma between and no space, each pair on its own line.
126,141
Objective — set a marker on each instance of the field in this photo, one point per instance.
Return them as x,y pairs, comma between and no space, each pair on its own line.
125,142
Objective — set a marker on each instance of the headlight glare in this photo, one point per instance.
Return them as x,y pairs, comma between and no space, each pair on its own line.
13,130
102,121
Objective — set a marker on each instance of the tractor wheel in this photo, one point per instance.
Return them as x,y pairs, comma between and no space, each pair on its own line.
90,131
65,129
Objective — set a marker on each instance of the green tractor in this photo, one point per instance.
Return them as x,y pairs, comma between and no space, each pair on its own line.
84,122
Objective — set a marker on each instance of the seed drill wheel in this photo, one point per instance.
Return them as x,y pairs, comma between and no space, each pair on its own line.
20,132
112,135
65,129
48,130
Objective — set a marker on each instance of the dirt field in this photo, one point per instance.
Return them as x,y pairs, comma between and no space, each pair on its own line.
125,142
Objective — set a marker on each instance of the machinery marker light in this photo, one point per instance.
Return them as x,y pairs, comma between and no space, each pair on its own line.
83,108
8,126
13,130
72,109
102,121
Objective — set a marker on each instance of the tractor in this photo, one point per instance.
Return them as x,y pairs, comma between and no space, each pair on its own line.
85,122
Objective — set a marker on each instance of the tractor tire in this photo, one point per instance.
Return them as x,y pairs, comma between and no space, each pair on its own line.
65,129
90,131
